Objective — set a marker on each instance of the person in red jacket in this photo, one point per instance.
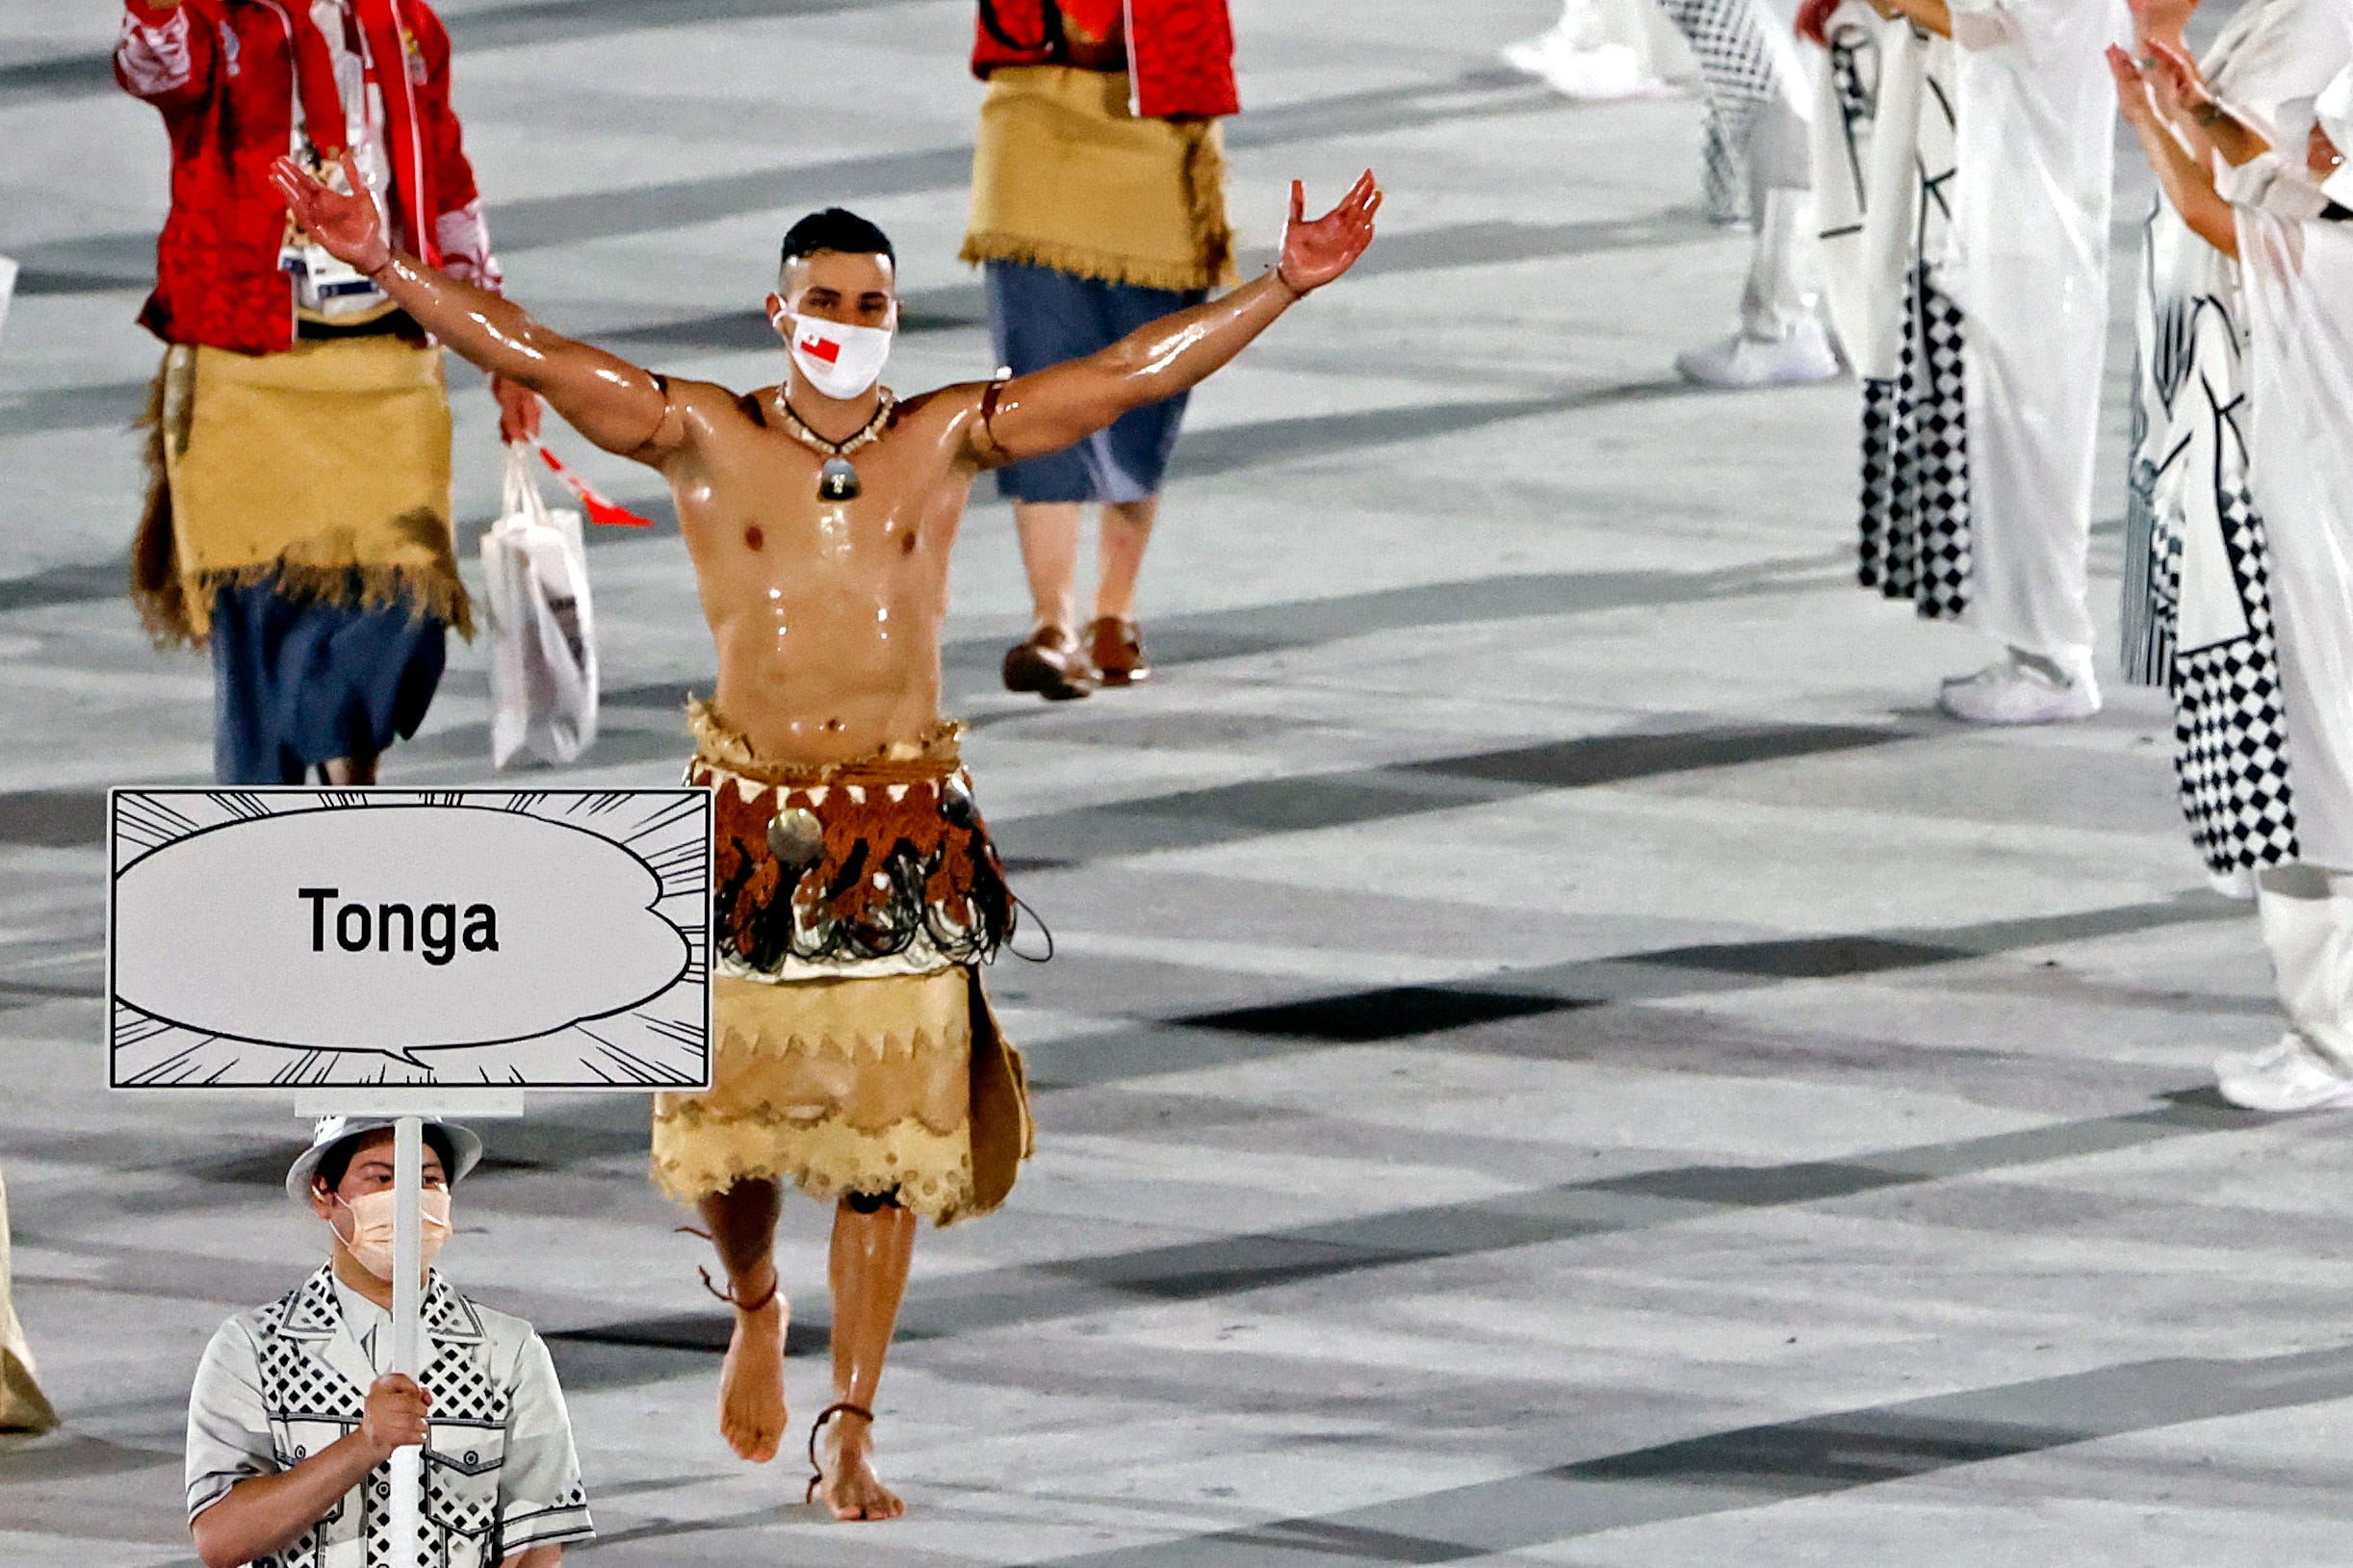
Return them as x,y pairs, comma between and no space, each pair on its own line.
299,510
1098,207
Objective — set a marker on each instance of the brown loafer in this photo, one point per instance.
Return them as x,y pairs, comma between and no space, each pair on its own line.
1051,665
1118,652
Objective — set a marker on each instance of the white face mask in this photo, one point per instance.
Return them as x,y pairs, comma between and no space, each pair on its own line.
369,1238
841,362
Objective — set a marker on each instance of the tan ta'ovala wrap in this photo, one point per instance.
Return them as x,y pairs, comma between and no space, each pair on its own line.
327,466
1064,176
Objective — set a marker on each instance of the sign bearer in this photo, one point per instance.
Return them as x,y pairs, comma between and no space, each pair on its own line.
292,1422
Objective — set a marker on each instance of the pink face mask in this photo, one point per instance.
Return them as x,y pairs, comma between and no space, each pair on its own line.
369,1238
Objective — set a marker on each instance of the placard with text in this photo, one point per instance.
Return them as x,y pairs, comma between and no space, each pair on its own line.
297,939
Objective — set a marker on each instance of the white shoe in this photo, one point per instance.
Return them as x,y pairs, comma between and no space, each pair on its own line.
1801,359
2289,1076
1604,73
2007,692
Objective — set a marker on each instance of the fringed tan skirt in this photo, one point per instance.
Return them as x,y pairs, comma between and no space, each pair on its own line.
862,1081
842,1087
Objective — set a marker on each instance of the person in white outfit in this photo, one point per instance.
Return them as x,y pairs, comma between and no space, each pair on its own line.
1992,526
2274,199
1604,49
1758,157
2197,603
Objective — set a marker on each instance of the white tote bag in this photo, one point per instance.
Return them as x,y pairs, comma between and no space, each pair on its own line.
543,673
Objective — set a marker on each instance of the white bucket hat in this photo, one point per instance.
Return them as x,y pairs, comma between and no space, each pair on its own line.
2333,111
465,1145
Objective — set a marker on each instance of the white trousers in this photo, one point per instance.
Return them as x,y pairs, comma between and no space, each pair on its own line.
2307,917
1784,288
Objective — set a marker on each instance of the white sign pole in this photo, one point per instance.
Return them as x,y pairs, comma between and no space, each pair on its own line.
408,1329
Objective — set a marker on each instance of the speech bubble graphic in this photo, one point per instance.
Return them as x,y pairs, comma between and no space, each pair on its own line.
396,929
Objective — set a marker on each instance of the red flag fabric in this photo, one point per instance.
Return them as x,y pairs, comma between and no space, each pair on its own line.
600,511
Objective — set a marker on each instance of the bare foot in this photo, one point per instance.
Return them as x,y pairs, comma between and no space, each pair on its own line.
847,1462
752,1383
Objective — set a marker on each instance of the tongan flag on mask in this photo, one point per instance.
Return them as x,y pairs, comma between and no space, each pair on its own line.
817,346
840,361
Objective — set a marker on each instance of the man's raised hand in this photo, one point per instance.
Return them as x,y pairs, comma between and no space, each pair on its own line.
347,227
1315,252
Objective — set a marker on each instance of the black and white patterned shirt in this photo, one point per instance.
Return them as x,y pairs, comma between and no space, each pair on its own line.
279,1384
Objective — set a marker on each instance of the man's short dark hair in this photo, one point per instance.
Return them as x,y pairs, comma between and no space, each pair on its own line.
337,1162
836,228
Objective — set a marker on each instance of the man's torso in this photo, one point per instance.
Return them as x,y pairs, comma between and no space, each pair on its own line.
826,614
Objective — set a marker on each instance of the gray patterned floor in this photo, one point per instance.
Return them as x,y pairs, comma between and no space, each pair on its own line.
1556,1055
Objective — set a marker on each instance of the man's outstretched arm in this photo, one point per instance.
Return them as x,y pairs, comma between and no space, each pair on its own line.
612,402
1045,412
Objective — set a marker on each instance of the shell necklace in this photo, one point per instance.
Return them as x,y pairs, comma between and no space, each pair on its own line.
838,478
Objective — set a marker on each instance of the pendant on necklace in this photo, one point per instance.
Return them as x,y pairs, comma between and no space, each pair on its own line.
837,480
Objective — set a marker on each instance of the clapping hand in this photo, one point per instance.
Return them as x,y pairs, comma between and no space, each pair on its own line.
345,226
2131,88
1316,252
2176,80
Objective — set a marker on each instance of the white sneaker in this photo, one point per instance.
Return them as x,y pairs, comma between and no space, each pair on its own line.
1801,359
1604,73
2009,692
2289,1076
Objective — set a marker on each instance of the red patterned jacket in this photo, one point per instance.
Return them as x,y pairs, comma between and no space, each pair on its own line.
222,75
1180,52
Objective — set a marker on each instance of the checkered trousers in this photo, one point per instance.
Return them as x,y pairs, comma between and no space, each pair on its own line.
1736,79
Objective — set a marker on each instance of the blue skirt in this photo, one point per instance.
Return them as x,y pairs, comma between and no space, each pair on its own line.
299,684
1040,316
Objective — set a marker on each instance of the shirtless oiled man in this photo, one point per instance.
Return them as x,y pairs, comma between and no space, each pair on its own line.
858,891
